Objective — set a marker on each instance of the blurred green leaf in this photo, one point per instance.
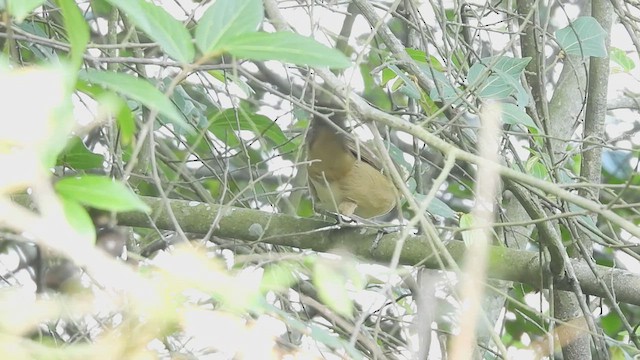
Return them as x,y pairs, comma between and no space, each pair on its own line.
618,164
79,219
278,276
470,231
397,155
621,58
100,7
372,91
160,26
77,31
611,324
618,352
32,51
112,103
78,157
583,37
101,193
439,207
226,19
408,88
331,285
124,118
451,14
242,119
286,47
137,89
387,75
436,206
443,90
535,167
421,56
305,208
20,9
514,115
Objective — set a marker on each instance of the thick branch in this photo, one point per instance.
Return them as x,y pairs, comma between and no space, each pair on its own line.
248,225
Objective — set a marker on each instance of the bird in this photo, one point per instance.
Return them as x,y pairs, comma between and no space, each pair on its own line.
344,175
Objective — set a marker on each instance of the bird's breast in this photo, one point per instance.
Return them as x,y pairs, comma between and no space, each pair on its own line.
373,193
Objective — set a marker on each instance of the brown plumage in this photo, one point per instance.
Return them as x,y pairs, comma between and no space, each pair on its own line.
345,176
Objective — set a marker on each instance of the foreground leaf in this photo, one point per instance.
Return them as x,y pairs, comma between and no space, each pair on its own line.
101,193
136,89
78,157
163,28
20,9
77,30
79,219
226,19
287,47
331,288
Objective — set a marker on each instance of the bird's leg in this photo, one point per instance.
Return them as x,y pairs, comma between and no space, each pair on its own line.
376,241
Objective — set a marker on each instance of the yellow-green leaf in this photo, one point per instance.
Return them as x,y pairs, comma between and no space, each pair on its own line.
100,192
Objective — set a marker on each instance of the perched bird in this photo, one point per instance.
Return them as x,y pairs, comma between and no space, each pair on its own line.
344,176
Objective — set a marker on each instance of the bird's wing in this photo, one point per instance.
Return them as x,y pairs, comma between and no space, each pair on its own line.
361,151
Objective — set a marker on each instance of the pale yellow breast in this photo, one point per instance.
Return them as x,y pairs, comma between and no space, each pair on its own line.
373,193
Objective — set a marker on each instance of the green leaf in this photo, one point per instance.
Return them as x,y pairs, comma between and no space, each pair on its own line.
611,323
100,7
397,155
77,31
436,206
501,80
440,208
535,167
111,102
331,288
387,75
512,66
101,193
30,52
79,219
514,115
584,37
136,89
242,119
621,58
78,157
124,117
489,85
421,56
226,76
470,231
278,277
20,9
286,47
226,19
168,32
409,88
443,90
